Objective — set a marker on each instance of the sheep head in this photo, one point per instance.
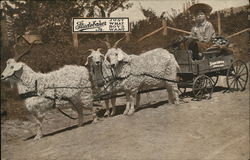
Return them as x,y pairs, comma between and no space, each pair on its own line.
116,56
96,57
12,69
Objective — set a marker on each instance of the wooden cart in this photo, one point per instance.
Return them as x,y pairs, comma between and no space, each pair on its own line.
202,75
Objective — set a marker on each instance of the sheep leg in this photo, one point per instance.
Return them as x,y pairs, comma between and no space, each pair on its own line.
79,110
113,101
176,94
148,98
172,93
94,115
80,117
107,113
138,99
132,107
128,99
39,133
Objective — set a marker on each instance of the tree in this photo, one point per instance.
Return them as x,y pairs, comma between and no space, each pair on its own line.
52,19
104,8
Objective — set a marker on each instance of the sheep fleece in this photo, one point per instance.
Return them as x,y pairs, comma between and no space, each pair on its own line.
158,62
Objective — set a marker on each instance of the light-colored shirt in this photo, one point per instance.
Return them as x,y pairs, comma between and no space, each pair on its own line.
203,32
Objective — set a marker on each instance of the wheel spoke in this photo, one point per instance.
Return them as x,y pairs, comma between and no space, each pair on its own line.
197,88
241,84
243,68
237,85
239,68
243,79
243,74
236,68
230,77
232,83
198,92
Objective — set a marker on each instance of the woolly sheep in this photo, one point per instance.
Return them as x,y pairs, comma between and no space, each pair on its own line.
133,71
76,78
102,75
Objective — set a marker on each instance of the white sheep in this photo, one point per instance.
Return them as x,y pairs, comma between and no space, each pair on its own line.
143,72
71,82
103,78
101,74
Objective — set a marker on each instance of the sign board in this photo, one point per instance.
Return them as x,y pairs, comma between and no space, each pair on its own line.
100,25
217,64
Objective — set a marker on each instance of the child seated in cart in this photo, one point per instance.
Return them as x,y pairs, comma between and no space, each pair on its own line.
202,39
202,33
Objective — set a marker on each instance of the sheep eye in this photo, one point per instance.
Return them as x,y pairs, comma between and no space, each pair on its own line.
108,59
11,67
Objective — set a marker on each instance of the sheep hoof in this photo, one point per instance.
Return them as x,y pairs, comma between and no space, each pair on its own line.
95,121
177,102
112,113
37,138
131,111
106,114
125,112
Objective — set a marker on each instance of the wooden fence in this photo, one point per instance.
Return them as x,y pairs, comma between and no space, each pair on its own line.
165,28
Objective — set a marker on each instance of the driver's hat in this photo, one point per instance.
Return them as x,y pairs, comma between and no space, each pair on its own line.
200,7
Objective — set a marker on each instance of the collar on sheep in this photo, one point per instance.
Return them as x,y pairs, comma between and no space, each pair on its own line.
29,94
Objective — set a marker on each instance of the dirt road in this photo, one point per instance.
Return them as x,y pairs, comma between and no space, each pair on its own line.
215,129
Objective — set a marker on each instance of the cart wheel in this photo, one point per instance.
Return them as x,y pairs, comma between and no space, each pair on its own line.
203,87
215,80
237,76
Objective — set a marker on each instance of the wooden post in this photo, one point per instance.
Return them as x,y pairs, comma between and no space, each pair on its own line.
219,22
127,34
165,28
75,40
165,32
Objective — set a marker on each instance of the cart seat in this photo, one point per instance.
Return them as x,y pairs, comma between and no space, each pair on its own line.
213,51
216,51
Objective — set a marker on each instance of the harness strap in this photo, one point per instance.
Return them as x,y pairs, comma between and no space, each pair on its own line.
28,95
66,114
149,75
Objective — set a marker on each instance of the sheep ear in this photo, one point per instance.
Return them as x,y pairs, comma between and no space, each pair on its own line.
123,57
120,57
18,66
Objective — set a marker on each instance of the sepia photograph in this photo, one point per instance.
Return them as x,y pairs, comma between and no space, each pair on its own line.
125,79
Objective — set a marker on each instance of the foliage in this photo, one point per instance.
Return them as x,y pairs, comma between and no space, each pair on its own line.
103,8
52,19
